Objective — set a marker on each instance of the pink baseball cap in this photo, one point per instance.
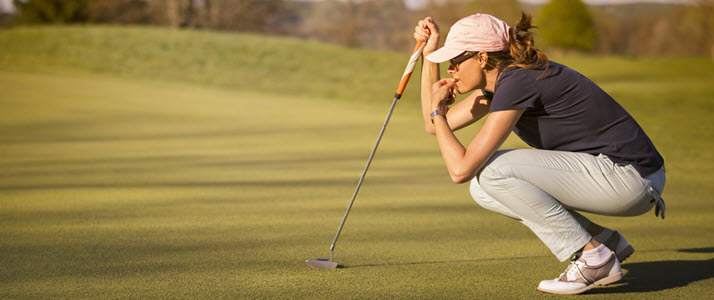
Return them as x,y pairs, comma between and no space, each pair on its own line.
479,32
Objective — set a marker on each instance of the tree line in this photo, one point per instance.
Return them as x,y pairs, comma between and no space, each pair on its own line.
564,25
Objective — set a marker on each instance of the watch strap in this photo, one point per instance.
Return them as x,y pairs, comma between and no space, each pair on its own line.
434,114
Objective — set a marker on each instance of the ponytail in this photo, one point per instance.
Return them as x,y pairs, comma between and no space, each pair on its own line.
522,52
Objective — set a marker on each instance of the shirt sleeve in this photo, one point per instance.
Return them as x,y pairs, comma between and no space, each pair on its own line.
514,90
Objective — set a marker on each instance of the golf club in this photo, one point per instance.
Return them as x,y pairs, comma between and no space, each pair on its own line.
328,263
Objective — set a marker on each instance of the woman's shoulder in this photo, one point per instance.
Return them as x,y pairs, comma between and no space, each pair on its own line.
554,70
555,76
516,76
517,71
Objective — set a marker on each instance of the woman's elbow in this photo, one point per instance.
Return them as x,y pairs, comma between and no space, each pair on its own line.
461,177
430,129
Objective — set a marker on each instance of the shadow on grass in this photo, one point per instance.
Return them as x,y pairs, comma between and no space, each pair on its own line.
698,250
640,277
441,262
662,275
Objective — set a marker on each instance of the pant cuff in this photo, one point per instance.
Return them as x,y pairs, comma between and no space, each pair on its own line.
567,251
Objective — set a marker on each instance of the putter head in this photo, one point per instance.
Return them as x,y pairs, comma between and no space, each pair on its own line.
321,263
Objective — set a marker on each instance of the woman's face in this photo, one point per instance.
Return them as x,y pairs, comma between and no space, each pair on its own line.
469,73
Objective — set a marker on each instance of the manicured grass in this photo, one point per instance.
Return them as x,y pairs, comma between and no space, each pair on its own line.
242,61
160,183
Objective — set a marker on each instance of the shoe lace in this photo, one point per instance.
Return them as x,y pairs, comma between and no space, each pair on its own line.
574,269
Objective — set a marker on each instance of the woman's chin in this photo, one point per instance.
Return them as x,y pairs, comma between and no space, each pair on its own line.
462,91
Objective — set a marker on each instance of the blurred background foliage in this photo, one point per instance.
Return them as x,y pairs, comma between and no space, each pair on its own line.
567,24
638,29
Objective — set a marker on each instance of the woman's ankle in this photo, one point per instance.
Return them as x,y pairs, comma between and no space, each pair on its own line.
592,244
594,229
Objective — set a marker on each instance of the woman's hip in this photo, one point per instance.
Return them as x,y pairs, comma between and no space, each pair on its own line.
579,181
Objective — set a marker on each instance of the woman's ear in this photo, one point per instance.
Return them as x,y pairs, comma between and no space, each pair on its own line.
483,59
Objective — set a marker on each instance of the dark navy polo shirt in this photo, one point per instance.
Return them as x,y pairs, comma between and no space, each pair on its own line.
568,112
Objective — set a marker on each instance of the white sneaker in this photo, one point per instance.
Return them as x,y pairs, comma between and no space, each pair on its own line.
579,277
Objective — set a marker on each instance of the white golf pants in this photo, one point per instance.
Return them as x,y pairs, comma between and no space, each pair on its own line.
543,189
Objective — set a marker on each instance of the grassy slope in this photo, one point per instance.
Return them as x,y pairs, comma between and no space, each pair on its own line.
198,184
284,66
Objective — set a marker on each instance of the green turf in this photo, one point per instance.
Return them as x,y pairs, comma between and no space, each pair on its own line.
243,61
157,183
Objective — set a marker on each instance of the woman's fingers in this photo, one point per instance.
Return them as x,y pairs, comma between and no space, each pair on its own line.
428,32
424,29
431,25
443,92
445,82
451,98
421,32
420,35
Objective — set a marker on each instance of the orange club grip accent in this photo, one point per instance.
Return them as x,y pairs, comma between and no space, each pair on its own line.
416,47
405,78
403,84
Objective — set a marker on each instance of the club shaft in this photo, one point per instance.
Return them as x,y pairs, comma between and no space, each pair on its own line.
364,172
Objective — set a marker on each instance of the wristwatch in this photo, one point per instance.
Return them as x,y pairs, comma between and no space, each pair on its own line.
433,114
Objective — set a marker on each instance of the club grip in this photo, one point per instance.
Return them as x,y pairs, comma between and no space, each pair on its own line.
410,67
418,47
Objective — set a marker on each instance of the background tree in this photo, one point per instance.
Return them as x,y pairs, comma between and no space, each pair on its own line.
446,13
52,11
245,15
612,36
120,12
386,24
566,24
331,21
506,10
637,29
705,11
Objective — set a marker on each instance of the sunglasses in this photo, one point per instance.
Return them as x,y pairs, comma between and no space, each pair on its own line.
456,61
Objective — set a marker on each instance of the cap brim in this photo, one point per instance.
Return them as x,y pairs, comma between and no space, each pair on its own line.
443,54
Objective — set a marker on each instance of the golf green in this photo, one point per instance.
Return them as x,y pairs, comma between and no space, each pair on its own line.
121,186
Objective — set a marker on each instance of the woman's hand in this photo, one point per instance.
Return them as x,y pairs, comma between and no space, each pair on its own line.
442,94
427,31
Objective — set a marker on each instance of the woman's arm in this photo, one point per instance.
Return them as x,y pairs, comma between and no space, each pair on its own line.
427,30
464,163
429,75
466,112
469,110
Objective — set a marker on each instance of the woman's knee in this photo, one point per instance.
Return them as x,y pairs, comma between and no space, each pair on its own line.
485,200
478,194
496,169
504,162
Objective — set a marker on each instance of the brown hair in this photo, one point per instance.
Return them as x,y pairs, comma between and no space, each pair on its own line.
522,52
